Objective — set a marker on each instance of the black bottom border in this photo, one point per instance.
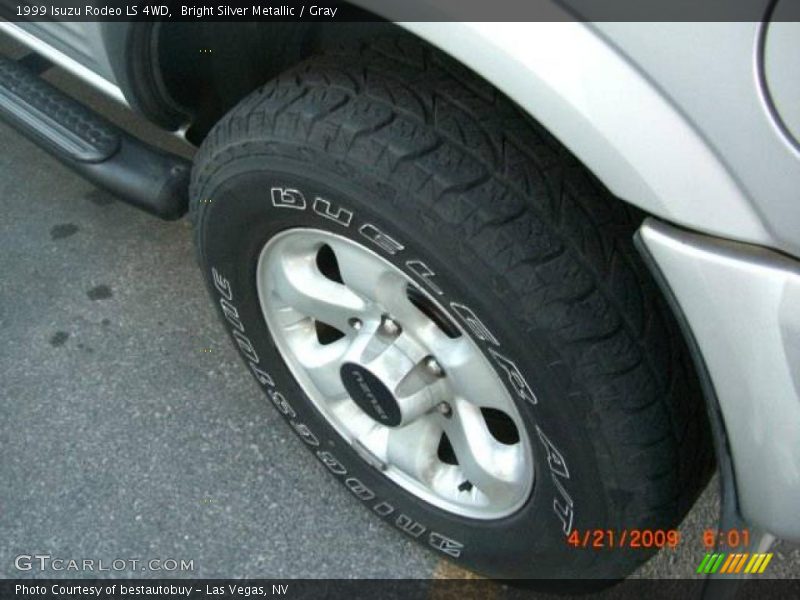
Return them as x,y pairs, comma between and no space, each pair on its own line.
389,589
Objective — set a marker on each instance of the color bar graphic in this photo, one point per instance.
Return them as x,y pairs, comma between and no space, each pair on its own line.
728,563
703,563
764,564
734,563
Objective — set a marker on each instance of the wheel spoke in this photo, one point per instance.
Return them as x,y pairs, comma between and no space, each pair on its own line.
492,467
298,283
471,377
360,425
392,294
320,362
413,448
360,272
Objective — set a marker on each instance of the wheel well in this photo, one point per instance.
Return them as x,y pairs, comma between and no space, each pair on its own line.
536,65
201,64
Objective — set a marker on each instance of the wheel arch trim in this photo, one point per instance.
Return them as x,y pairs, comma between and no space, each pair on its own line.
739,303
581,89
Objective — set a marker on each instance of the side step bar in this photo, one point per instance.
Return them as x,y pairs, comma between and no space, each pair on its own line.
144,176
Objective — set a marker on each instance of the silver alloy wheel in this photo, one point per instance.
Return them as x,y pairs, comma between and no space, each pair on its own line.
400,381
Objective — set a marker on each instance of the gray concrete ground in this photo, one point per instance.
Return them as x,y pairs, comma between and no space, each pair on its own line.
129,427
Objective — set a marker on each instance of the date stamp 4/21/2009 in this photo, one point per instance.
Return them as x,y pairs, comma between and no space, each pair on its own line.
606,539
598,539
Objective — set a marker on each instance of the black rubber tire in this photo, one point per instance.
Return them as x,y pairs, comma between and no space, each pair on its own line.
514,227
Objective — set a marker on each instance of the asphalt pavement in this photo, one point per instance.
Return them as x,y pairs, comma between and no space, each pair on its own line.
131,430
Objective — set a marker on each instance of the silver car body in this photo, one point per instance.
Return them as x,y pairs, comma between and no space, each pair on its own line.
690,122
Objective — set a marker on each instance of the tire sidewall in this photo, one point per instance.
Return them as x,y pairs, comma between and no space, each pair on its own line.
242,205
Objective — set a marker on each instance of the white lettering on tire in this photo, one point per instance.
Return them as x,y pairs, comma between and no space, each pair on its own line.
410,526
563,506
330,461
287,198
339,215
380,239
360,491
515,378
475,325
445,544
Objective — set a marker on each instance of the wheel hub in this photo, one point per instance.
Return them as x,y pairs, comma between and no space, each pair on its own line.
371,395
388,375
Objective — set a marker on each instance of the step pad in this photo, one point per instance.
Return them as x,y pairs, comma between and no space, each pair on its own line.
58,121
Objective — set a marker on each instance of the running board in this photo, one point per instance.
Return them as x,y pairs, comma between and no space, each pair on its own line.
139,174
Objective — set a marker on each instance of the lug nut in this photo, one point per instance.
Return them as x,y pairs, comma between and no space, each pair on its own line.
389,326
433,366
355,323
445,409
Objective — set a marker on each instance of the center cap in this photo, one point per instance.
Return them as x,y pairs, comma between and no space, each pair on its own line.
371,395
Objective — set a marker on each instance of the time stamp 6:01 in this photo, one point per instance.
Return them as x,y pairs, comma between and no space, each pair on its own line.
654,538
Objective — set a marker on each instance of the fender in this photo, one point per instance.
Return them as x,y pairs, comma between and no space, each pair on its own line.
582,90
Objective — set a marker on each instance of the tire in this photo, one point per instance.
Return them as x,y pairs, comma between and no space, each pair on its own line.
422,163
